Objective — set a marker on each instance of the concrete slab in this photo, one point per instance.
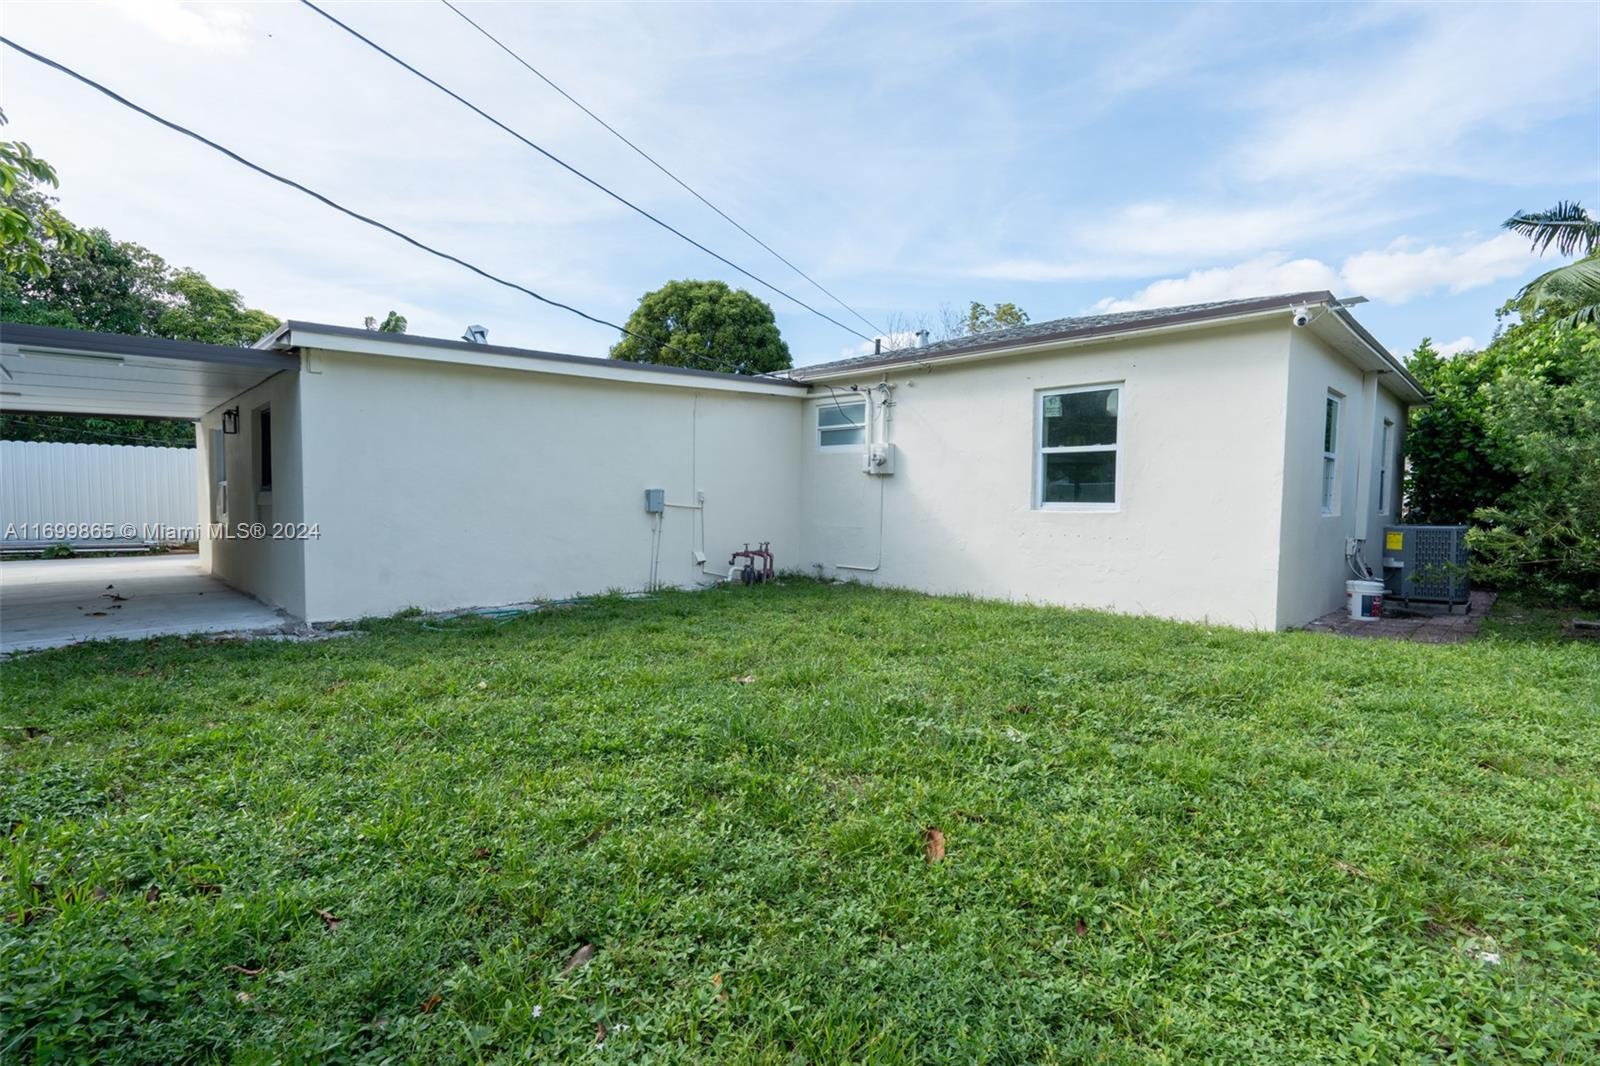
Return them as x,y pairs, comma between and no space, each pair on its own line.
45,603
1429,628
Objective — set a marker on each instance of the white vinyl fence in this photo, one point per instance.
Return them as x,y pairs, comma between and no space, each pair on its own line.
81,493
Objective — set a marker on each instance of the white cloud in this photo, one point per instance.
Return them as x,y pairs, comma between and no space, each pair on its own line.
1261,276
1393,275
1457,346
892,341
1397,274
193,25
1412,105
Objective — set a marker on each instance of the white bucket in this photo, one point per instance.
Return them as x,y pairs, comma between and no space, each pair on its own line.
1365,599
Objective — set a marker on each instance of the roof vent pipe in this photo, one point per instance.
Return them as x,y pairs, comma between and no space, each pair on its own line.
922,338
476,335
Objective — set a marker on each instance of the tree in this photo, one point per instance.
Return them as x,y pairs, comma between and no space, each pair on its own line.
706,325
1510,443
393,322
27,225
87,280
1571,292
981,319
1542,533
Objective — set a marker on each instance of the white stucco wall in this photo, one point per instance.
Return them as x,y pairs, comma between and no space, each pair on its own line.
1196,534
270,569
1312,543
441,485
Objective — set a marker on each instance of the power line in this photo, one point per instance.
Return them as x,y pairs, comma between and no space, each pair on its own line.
575,171
647,157
259,169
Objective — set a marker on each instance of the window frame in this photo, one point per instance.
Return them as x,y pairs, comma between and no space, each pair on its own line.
263,449
829,402
1385,466
1328,490
1040,451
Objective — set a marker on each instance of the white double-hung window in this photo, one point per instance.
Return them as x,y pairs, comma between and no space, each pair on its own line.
842,423
1076,467
1330,454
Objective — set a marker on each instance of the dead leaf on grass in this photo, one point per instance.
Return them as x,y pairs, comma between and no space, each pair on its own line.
716,983
243,997
579,958
599,1033
431,1003
328,919
1020,708
248,971
745,679
1353,871
1080,928
152,893
481,853
933,845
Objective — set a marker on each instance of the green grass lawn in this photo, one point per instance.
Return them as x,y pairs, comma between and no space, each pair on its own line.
1164,842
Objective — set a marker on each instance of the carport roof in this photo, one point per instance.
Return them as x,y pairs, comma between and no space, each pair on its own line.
49,370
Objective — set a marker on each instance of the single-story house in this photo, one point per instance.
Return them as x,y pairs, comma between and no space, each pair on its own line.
1211,462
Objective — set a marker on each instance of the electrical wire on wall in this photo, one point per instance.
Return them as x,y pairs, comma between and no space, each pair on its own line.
874,420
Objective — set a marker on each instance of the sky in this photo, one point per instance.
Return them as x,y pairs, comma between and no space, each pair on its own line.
1067,158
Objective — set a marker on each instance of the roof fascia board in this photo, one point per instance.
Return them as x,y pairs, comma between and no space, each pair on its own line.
21,337
367,342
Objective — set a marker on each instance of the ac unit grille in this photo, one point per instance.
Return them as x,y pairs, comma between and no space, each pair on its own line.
1426,564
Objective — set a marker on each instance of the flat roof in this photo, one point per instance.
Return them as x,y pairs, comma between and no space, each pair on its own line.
51,370
296,334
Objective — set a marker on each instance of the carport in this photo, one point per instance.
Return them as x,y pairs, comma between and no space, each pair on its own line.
48,370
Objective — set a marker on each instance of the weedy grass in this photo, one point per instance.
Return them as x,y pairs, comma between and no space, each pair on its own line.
1163,842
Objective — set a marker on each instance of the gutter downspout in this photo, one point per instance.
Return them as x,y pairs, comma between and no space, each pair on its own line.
1369,401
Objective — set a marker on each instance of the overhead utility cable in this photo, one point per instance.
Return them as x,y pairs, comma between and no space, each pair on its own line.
647,157
575,171
259,169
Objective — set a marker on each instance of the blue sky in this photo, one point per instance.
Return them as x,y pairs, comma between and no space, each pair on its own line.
1067,158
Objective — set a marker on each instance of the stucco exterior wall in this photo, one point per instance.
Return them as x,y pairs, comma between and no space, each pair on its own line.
438,485
270,569
1312,547
1195,535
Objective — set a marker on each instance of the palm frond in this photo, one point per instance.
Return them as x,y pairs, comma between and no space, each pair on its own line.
1573,288
1567,226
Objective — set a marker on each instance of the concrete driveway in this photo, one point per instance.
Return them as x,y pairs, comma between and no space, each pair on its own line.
45,603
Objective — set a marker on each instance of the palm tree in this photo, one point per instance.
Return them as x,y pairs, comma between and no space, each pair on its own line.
1575,287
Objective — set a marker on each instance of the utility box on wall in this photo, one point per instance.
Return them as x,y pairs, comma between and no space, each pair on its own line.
1426,564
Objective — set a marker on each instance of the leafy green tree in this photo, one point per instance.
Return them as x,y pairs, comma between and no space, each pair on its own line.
707,325
28,225
1571,293
393,322
1452,467
982,319
1510,444
1542,533
91,281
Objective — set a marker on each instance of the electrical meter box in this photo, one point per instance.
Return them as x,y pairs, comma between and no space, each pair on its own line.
879,459
655,501
1426,564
